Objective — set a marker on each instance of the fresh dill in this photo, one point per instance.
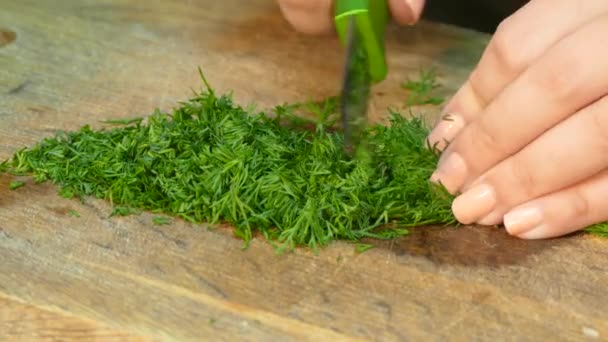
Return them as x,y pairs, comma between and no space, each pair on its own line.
210,160
15,185
599,229
122,121
363,247
420,91
161,220
123,210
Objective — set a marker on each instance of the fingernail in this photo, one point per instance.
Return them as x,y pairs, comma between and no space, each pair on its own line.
541,231
492,219
474,204
451,172
522,220
445,130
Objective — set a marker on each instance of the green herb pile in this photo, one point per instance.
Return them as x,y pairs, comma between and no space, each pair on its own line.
210,160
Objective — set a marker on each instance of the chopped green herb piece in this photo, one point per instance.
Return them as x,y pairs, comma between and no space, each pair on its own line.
16,185
421,90
160,220
362,247
66,193
123,121
599,229
73,213
123,211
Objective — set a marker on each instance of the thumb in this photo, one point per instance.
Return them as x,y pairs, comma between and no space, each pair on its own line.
406,12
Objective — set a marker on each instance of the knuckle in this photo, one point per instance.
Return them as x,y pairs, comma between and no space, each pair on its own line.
481,146
488,139
579,203
523,180
506,48
600,125
599,120
557,78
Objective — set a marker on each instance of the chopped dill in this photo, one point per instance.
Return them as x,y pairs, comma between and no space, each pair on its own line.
161,220
420,92
122,121
15,185
363,247
210,160
73,213
122,210
599,229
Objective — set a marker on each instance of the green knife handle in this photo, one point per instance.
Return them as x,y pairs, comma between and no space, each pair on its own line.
371,17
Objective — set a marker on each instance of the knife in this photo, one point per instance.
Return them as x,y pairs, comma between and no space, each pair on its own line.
360,25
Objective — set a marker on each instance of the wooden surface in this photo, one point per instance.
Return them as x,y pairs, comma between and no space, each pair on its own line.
64,64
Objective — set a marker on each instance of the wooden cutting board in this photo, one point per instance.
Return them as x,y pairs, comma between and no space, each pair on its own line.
64,64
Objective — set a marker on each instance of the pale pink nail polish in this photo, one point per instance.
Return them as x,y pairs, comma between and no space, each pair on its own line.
474,204
492,219
446,130
541,231
451,172
522,220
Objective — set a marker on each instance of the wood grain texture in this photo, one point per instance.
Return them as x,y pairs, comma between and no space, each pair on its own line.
68,63
25,322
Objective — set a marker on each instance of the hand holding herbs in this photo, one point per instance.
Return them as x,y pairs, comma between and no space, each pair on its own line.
212,161
528,133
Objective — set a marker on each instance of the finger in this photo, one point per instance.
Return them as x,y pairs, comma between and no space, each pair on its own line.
406,12
563,212
567,154
569,76
308,16
518,42
316,16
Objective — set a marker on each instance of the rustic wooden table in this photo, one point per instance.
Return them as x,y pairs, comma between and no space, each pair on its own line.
64,64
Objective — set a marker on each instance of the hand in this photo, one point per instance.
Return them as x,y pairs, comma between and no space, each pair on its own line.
315,16
528,130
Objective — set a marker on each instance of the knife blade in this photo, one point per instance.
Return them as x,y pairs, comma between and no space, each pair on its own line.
356,88
360,25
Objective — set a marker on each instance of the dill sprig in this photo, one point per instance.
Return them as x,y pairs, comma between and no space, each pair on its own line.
598,229
160,220
420,91
210,160
15,185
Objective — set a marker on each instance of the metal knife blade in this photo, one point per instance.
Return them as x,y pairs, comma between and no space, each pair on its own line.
356,89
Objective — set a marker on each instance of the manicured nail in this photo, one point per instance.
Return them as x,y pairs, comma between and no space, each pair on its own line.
451,172
446,130
541,231
492,219
522,220
474,204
